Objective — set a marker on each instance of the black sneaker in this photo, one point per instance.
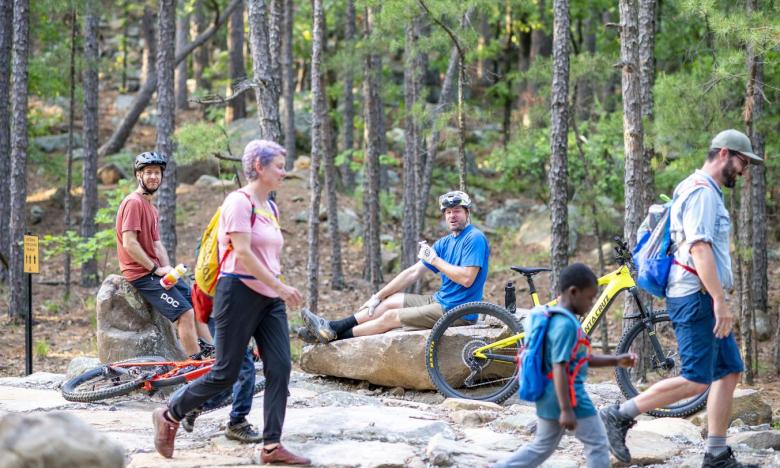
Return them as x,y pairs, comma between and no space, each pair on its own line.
305,335
207,350
724,460
243,432
318,326
188,423
617,427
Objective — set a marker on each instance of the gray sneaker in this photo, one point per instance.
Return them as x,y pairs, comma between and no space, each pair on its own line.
243,432
188,423
306,336
725,460
617,427
318,326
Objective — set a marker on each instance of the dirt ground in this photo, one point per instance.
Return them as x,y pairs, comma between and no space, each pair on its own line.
64,330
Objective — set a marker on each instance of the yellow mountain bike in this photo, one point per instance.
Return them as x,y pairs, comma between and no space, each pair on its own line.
479,361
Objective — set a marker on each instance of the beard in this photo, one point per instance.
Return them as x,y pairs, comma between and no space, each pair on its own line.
458,228
729,174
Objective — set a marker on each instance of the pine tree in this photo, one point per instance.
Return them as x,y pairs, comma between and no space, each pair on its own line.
267,97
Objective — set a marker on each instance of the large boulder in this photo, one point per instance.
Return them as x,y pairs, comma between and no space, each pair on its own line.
748,406
760,440
55,440
127,326
536,230
396,359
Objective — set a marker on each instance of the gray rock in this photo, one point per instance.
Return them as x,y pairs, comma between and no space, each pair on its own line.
443,451
764,329
648,448
58,143
35,380
470,418
524,423
535,230
127,326
343,399
677,429
760,440
110,174
54,440
36,214
359,454
503,218
604,393
242,131
390,261
207,181
395,359
748,406
81,364
123,103
460,404
301,217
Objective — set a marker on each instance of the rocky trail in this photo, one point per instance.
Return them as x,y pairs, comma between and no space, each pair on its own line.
339,423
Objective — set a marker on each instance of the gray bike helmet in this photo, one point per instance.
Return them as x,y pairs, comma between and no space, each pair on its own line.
150,158
453,199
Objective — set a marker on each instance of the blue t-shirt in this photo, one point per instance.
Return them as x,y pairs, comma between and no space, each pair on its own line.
469,248
558,344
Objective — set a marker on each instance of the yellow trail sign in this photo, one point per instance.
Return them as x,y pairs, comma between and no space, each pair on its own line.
31,256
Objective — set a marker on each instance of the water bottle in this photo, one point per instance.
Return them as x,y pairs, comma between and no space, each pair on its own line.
509,297
172,277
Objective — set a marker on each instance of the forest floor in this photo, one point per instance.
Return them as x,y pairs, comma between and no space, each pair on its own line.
64,330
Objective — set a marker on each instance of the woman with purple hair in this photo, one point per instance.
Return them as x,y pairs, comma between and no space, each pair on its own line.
250,301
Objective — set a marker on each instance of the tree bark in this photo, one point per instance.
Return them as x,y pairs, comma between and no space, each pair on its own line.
318,115
559,131
200,60
647,28
74,30
584,104
267,97
752,227
413,72
348,101
90,82
275,20
236,109
182,34
166,109
288,83
21,17
372,246
125,127
6,30
149,64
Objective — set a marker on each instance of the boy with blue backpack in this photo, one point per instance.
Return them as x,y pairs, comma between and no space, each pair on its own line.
554,367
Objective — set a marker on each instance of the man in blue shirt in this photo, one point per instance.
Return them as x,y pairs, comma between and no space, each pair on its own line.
459,258
696,301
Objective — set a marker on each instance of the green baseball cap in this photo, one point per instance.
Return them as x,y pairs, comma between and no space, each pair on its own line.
735,141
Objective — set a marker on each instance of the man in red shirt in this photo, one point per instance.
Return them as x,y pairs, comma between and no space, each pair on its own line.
143,258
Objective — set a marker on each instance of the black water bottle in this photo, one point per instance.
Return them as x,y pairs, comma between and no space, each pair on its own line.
509,297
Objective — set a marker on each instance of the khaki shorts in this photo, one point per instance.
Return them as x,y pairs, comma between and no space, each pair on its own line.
421,312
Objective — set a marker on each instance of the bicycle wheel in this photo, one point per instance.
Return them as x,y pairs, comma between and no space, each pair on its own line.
110,381
450,360
649,370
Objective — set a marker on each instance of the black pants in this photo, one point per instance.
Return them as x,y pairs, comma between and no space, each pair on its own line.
239,314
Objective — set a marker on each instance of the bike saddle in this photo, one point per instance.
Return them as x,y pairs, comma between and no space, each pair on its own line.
529,271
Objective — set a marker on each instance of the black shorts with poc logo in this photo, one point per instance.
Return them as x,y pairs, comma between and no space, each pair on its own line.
170,303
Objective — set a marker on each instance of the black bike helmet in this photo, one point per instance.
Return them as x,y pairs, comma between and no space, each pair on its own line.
150,158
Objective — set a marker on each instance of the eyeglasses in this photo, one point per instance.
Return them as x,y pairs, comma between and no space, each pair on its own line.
745,162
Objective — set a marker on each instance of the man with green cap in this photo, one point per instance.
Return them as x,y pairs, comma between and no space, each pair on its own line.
696,302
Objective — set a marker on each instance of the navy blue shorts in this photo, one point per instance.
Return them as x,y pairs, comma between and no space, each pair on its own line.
170,303
705,358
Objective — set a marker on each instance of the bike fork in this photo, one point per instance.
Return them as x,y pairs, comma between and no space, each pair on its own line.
647,321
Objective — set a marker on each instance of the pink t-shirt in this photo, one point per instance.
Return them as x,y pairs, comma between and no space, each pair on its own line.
267,241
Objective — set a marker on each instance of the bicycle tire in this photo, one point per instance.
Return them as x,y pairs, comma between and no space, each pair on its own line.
625,378
452,369
77,388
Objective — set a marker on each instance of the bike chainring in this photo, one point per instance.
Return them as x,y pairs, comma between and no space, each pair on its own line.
474,363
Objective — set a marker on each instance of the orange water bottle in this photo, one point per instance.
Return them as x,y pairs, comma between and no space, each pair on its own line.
172,277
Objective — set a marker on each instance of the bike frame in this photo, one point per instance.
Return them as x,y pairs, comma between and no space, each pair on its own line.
172,377
614,283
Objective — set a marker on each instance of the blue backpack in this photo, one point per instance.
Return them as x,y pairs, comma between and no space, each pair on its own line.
654,252
533,380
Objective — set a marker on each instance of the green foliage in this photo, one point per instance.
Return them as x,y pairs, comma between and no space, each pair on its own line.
41,348
199,141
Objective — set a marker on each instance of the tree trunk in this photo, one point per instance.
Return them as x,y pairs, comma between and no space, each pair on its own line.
446,98
348,100
182,34
125,127
74,30
149,64
559,131
6,30
646,18
90,79
413,72
509,95
236,109
166,109
200,60
318,115
288,83
267,97
125,40
583,107
371,223
18,298
752,232
275,19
